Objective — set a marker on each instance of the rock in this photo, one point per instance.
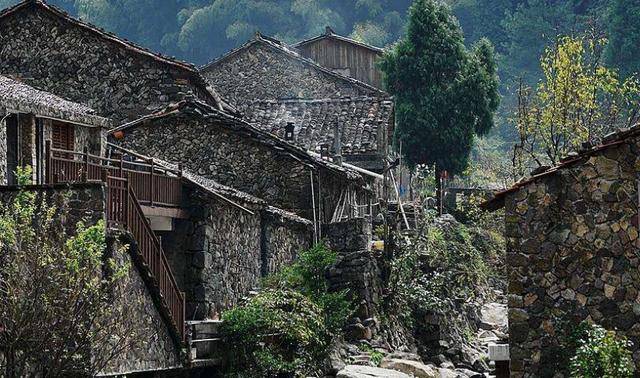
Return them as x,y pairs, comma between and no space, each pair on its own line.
355,371
469,373
493,316
356,332
413,368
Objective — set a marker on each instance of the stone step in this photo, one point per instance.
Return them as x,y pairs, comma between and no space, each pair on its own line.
204,329
206,349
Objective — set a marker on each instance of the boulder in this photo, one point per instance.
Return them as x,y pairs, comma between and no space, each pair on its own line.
413,368
357,371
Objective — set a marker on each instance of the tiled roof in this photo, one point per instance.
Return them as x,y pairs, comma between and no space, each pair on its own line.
17,96
241,126
361,121
127,45
282,47
575,158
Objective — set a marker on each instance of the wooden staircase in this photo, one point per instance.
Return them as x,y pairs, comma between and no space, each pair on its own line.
129,183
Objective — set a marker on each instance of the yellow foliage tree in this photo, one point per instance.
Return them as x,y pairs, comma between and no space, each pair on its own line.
578,101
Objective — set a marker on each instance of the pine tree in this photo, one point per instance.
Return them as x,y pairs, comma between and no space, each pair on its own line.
445,94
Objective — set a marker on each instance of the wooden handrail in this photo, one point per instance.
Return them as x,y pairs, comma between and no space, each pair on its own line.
124,188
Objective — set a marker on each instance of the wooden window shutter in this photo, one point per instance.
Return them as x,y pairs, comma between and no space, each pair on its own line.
62,136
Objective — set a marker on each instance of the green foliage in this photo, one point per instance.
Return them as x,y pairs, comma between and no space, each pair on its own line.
601,354
578,100
433,76
278,332
54,293
439,265
287,328
375,356
624,36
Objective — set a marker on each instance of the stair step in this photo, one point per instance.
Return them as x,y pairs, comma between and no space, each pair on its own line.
204,329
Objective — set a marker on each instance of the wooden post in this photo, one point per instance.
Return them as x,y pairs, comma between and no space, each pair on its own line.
152,187
121,165
85,156
47,152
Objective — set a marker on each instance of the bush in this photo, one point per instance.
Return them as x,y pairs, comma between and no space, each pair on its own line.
278,332
286,330
601,354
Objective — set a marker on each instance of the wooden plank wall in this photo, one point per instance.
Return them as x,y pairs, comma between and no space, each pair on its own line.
338,55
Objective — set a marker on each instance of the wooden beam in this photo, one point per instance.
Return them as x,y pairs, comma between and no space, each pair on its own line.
170,212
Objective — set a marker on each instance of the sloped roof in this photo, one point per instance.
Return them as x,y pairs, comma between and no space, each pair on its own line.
21,97
359,120
283,48
611,140
240,126
123,43
330,34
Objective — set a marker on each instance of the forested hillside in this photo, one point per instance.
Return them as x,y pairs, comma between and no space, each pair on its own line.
201,30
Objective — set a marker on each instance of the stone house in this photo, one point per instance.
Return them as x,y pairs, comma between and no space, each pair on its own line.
50,50
29,117
572,252
355,129
267,69
344,55
232,152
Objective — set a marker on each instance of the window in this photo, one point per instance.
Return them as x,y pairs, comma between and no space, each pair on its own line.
62,137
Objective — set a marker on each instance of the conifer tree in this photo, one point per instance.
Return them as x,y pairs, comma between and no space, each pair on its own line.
445,94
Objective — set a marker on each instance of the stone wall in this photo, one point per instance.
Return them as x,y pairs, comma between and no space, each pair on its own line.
572,243
215,254
283,237
357,272
85,202
209,148
150,346
220,253
262,71
53,54
3,150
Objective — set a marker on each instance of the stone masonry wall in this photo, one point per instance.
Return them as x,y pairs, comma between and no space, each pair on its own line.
262,72
3,151
237,160
357,272
215,254
155,349
57,56
283,237
572,254
151,346
85,202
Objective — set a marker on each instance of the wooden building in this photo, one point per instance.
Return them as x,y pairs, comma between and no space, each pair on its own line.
344,56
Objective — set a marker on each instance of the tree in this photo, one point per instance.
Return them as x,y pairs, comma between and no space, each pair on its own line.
56,293
445,94
624,35
579,100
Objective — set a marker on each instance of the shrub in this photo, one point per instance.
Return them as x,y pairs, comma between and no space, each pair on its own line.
601,354
287,329
278,332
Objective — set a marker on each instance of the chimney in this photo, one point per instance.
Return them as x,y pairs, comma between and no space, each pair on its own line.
289,135
324,151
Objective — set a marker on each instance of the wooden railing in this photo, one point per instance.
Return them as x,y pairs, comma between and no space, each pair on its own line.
154,257
123,209
153,184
